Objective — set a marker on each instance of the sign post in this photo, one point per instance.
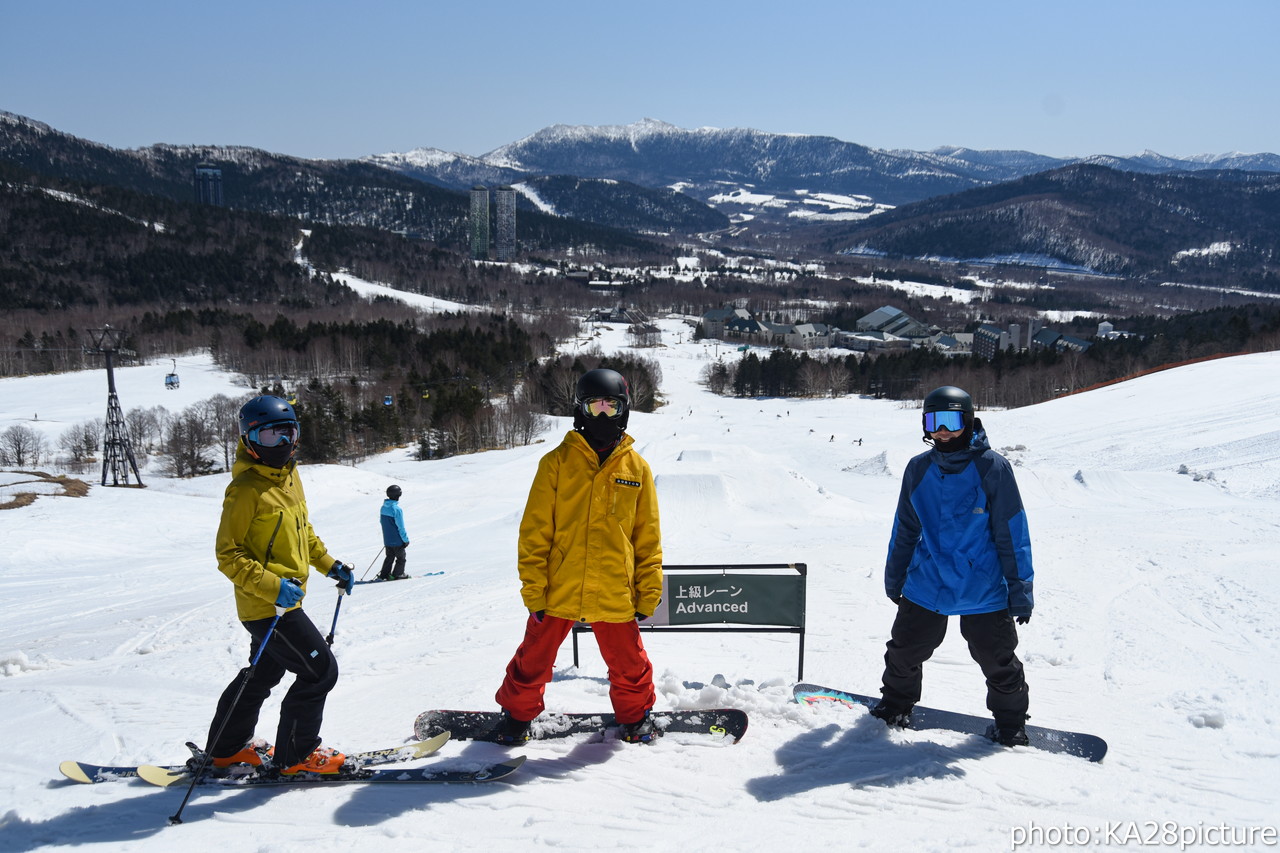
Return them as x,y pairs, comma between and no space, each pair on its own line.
761,598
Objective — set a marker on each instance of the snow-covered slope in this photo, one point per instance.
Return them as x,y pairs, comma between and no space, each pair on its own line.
1154,508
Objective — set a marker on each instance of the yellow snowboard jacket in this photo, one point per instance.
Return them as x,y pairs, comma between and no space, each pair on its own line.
590,544
265,537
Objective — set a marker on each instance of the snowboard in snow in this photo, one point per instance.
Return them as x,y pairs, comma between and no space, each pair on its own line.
722,723
1087,746
90,773
164,777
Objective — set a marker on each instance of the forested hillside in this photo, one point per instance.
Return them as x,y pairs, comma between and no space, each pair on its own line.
1213,228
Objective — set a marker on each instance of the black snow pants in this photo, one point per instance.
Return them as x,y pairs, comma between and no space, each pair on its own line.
294,646
393,563
992,638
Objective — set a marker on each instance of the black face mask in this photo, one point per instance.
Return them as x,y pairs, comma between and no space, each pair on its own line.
600,432
960,442
273,457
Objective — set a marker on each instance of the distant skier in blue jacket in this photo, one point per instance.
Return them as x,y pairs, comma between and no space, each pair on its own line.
960,547
394,536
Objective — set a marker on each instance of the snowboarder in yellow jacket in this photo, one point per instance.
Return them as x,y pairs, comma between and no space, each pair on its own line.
590,551
266,546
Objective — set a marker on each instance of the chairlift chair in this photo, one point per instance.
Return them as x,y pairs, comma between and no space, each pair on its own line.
171,379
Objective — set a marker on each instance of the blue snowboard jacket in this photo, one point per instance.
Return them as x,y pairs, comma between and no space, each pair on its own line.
960,542
392,518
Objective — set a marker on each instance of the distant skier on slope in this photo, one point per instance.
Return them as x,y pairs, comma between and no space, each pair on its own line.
960,547
394,537
590,551
266,546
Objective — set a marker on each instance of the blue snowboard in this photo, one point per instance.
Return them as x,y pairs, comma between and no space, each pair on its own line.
1087,746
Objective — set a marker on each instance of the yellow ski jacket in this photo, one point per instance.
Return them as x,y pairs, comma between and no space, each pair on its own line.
590,544
265,537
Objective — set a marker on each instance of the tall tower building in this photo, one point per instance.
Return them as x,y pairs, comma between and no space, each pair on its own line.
208,184
505,223
479,222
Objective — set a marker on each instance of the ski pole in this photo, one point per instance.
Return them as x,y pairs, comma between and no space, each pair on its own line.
176,817
342,591
375,559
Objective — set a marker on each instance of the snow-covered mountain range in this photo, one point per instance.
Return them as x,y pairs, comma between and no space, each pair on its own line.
751,173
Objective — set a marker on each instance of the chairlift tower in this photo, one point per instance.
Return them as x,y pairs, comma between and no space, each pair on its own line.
117,453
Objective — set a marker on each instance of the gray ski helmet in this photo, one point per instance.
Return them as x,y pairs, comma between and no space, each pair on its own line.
394,492
265,410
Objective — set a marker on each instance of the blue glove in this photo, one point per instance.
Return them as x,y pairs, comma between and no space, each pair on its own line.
342,573
290,593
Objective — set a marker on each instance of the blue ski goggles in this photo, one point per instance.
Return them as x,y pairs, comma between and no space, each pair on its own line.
950,421
273,435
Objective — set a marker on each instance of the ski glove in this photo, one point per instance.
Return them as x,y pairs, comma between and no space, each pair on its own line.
342,573
1022,620
290,593
537,615
640,617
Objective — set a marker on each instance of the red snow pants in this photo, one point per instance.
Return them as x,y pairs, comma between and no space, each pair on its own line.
630,672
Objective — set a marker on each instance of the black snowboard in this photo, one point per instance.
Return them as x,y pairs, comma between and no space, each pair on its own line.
723,723
1087,746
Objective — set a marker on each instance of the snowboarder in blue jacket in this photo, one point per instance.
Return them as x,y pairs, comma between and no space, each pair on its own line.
394,536
960,547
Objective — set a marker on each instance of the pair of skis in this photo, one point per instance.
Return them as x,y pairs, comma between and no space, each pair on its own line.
358,767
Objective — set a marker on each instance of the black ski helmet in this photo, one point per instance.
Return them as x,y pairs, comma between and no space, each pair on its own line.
949,398
394,492
265,410
603,382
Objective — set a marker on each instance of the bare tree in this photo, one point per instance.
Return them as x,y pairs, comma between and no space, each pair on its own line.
223,418
81,441
813,379
145,427
22,446
562,387
645,384
521,423
187,441
716,377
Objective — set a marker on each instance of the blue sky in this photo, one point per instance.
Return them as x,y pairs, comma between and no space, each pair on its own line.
330,79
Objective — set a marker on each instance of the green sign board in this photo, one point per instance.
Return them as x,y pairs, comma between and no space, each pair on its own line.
700,599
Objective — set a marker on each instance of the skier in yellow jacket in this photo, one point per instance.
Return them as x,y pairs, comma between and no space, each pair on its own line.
590,551
266,546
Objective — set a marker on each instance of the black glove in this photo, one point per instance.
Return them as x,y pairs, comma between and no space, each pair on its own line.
538,616
640,617
896,599
1022,620
342,573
